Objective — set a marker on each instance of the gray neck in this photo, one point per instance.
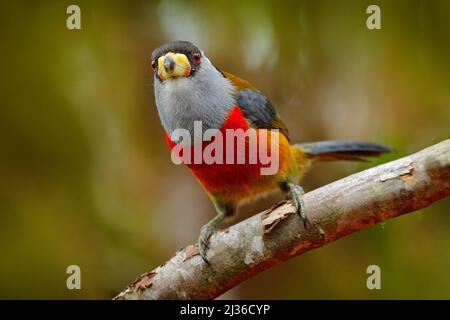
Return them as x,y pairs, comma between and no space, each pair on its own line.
206,97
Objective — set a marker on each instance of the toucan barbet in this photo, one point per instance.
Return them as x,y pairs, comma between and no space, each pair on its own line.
189,88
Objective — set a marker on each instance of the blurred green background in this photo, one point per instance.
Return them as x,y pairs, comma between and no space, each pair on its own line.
86,176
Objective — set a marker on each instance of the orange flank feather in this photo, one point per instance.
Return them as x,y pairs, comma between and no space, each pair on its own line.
237,82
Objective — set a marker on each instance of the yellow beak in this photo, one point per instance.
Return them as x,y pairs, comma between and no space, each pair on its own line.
172,65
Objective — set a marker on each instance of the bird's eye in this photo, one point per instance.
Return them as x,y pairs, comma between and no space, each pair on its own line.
196,57
154,64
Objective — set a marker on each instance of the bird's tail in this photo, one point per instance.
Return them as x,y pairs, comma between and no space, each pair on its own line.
342,150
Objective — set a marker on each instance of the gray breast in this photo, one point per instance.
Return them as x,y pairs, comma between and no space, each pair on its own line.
206,97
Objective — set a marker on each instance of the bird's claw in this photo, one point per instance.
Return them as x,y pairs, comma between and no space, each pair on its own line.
296,193
297,198
203,241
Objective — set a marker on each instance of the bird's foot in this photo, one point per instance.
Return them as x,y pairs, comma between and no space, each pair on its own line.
296,193
203,241
223,211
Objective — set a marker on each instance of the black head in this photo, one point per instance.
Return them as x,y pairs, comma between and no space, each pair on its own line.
185,47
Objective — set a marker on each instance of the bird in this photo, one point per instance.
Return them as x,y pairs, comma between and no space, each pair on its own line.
188,87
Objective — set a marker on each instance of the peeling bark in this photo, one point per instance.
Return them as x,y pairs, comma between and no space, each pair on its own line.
271,237
272,217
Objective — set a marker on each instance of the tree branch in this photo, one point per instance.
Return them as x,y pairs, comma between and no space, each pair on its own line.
271,237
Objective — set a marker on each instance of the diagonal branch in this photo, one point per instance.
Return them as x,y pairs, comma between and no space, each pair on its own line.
271,237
